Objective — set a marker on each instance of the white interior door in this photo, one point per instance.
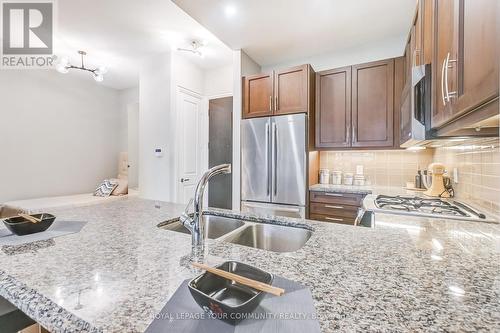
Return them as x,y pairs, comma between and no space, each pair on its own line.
190,143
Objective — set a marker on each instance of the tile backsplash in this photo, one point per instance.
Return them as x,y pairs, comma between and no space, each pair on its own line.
477,162
381,168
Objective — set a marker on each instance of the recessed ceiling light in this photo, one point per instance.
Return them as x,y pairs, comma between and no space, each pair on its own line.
230,10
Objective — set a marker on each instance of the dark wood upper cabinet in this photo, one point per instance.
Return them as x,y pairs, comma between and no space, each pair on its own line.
465,58
333,108
373,104
399,86
476,74
291,87
257,95
281,92
445,45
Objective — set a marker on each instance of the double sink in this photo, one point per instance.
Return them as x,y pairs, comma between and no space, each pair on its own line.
268,237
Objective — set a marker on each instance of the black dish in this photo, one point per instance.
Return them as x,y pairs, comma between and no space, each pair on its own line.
225,299
20,226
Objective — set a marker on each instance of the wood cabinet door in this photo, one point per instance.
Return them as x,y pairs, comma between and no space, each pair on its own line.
477,57
333,108
445,28
291,90
257,95
373,104
399,86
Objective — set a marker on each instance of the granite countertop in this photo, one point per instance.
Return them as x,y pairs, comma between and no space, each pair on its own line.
406,275
365,189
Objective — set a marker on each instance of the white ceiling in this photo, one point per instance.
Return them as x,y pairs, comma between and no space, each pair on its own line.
280,31
118,34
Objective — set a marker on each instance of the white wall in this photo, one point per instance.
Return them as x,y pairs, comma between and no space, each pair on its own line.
129,137
218,81
156,128
243,65
126,97
378,50
60,134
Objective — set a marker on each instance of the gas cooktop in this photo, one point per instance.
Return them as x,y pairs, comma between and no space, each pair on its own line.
427,207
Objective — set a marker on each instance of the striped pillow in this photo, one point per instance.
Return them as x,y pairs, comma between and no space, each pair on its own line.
105,188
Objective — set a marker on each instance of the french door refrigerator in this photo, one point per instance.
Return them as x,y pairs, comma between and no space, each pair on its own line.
273,165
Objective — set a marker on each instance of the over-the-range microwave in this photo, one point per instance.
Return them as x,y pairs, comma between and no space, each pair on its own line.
416,108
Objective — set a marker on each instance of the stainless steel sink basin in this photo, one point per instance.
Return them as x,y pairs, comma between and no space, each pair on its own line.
215,226
271,237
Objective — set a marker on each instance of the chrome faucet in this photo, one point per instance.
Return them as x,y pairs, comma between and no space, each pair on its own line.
196,224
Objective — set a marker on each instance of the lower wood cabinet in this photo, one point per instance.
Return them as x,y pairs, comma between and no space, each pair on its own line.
334,207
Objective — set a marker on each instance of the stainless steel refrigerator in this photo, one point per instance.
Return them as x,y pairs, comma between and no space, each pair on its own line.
273,165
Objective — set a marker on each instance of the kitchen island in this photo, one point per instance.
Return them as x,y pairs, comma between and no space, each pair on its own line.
407,275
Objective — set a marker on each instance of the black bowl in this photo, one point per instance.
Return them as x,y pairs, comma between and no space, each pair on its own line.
225,299
21,226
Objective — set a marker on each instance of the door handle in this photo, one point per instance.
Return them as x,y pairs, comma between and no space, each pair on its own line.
334,194
184,180
443,96
282,209
335,207
449,94
267,159
333,219
275,178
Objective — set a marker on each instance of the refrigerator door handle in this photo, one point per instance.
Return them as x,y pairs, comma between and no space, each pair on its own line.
275,158
284,209
267,158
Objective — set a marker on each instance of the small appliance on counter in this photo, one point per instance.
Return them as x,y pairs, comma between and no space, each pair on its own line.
437,184
348,178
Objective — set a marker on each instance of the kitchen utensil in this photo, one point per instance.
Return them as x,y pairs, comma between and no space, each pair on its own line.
241,279
225,299
30,218
21,225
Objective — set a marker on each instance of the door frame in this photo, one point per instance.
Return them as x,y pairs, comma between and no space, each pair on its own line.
206,107
203,136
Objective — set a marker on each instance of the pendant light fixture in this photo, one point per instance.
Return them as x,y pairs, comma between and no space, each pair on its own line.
64,66
195,49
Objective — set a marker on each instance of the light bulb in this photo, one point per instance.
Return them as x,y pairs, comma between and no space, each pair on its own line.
102,70
62,69
64,61
99,77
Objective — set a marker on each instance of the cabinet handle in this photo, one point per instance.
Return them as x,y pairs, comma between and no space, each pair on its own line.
336,207
184,180
334,194
442,82
348,134
270,103
449,94
276,103
354,136
333,219
415,52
